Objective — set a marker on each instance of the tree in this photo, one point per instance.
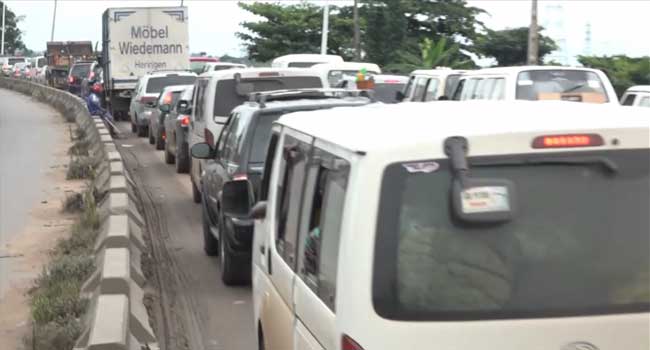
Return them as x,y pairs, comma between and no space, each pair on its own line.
385,31
438,54
623,71
510,46
13,36
287,29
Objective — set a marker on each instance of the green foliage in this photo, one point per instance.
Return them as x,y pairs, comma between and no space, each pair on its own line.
384,31
80,168
623,71
438,54
53,336
510,46
288,29
13,36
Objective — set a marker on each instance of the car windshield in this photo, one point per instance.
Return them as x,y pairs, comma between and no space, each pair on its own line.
386,93
80,70
227,98
13,61
157,84
197,66
261,136
565,84
568,251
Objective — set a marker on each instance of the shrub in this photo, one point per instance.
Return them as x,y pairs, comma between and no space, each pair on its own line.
80,168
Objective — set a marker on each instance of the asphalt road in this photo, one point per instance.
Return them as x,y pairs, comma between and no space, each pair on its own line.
26,134
198,311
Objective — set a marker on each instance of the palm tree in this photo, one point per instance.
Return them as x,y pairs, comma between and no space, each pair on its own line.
436,54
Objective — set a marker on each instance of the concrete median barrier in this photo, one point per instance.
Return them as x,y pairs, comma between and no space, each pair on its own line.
117,318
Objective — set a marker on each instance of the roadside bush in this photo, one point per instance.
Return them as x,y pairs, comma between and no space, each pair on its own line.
79,134
53,336
73,203
79,148
80,168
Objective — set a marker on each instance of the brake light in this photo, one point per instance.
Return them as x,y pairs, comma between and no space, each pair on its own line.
239,177
568,141
70,79
164,135
167,99
268,74
348,343
391,81
185,120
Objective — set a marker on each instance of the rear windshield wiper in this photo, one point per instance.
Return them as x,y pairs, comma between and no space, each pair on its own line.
605,162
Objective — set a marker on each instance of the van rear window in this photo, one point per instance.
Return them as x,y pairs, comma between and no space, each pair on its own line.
561,84
13,61
227,98
80,70
159,83
577,245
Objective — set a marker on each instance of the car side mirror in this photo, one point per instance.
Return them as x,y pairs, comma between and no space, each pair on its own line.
202,151
164,108
236,198
399,96
258,211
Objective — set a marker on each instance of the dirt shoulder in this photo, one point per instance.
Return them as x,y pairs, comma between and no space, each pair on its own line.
28,252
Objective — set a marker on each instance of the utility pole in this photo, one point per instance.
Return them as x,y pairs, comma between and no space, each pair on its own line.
357,32
326,24
533,36
53,21
4,11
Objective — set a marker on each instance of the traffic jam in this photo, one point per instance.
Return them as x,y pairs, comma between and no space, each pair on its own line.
496,208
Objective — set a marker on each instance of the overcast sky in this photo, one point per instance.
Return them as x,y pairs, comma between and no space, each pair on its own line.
617,26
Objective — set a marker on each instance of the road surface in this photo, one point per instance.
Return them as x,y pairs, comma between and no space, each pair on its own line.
26,136
200,312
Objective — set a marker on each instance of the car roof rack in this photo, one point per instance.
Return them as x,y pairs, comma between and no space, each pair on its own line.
263,97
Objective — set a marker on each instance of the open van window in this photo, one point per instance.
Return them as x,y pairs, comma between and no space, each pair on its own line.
591,258
565,84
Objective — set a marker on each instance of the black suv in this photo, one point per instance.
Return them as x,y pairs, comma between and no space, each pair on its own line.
240,154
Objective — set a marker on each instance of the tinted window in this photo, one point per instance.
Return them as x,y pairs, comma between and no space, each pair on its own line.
227,98
234,142
459,90
266,178
386,92
629,100
197,111
295,154
81,71
569,85
223,67
157,84
41,62
321,227
409,87
13,61
302,64
450,84
261,136
591,258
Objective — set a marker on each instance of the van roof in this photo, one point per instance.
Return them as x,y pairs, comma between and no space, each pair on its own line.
438,71
347,66
639,88
255,72
306,103
517,69
308,57
379,127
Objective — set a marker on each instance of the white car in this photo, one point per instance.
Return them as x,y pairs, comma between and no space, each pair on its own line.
637,96
507,223
214,66
146,93
431,85
334,73
217,93
39,68
304,60
536,83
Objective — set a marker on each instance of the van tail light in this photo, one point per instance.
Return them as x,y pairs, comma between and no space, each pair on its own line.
209,137
568,141
164,135
348,343
185,120
70,79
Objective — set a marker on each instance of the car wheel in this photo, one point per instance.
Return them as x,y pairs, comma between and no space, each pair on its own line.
233,271
182,157
169,157
160,141
152,139
210,244
142,130
134,128
196,194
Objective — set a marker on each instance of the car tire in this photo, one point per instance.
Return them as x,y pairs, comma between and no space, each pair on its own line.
160,142
134,128
169,157
152,140
182,157
210,243
233,271
196,194
142,130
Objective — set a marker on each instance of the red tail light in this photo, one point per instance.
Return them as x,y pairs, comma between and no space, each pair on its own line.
568,141
70,79
164,135
185,120
348,343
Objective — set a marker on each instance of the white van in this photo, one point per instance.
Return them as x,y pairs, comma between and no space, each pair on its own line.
637,96
304,60
217,93
536,83
525,225
430,85
334,73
